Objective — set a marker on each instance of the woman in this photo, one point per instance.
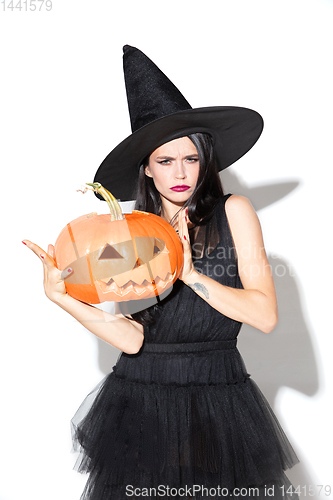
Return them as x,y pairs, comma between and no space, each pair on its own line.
179,415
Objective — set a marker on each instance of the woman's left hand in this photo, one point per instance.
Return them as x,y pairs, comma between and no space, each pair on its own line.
188,267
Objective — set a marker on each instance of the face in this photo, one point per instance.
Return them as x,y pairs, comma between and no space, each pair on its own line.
174,168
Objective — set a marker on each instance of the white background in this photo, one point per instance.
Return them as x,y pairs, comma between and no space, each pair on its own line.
63,108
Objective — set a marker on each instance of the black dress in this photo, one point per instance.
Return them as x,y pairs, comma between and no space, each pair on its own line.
183,412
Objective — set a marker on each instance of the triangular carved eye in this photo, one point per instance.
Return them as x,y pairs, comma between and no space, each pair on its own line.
158,246
110,252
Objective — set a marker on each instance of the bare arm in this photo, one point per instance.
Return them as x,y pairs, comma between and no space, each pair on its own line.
117,330
256,304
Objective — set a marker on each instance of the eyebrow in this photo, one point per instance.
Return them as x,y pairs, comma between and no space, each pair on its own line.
194,155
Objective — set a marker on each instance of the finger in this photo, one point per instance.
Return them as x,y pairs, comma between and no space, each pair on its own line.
51,251
175,223
183,232
43,256
181,225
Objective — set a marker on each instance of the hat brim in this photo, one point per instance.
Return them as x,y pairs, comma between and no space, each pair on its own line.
234,130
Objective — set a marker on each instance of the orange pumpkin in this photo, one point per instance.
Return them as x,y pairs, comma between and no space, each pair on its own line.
116,257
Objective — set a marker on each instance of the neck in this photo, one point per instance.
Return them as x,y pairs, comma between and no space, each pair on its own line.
169,209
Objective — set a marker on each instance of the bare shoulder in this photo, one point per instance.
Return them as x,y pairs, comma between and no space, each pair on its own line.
243,220
237,201
238,208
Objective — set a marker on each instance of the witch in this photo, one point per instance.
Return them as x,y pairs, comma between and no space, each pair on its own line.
179,415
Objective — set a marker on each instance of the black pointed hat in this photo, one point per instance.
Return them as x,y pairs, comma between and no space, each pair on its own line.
159,113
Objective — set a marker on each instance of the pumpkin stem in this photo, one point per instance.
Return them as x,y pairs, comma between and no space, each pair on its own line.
115,210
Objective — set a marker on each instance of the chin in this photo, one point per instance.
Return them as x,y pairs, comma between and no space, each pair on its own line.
180,197
177,199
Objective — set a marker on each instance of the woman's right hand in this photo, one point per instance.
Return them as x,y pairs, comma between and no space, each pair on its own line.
120,332
54,286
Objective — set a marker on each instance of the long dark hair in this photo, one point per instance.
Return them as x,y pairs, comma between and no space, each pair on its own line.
200,205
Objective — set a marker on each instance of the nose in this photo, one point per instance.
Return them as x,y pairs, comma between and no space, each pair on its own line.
180,170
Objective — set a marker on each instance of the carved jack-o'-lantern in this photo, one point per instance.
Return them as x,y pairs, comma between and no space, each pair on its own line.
116,257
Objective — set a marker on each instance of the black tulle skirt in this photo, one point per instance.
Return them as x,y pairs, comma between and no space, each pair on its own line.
175,417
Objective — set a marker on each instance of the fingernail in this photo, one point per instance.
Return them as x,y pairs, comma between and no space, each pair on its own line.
66,273
23,242
42,256
185,218
186,211
184,237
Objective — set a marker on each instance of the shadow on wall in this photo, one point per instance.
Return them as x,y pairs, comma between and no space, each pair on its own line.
285,357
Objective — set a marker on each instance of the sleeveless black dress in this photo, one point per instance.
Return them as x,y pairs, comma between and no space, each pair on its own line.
182,417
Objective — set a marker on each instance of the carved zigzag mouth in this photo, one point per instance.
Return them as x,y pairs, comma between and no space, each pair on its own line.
158,285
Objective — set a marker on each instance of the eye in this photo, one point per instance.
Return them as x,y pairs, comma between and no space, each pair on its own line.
192,160
164,162
158,246
109,252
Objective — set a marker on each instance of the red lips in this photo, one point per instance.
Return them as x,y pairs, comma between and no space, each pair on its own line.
183,187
